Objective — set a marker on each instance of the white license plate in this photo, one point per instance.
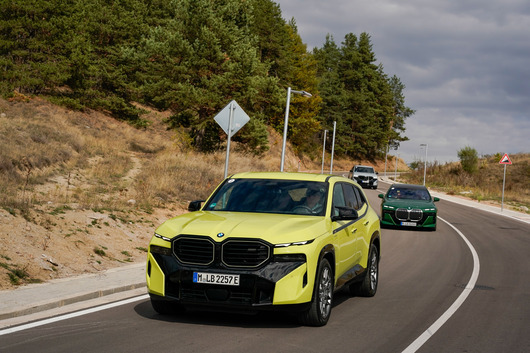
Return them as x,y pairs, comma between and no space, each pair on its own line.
408,224
216,278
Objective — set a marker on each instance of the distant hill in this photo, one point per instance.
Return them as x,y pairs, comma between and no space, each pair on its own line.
485,184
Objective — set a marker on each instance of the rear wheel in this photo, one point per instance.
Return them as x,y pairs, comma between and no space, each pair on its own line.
319,312
368,286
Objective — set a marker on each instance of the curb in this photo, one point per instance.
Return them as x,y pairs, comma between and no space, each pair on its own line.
58,293
60,302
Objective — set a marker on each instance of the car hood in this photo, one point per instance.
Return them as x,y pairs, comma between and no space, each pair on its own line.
406,203
274,228
364,174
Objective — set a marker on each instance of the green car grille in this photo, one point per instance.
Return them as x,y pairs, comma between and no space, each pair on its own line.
404,214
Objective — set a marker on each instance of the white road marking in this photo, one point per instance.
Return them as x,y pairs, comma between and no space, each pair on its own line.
414,346
71,315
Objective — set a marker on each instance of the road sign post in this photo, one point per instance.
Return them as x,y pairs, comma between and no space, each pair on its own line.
504,160
231,119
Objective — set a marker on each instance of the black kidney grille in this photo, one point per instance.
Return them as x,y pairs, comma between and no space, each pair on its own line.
409,215
197,251
237,253
402,214
415,215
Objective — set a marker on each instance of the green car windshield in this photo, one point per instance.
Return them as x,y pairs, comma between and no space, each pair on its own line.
408,194
270,196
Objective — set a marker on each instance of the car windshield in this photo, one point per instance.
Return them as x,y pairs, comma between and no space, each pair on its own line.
270,196
408,194
364,169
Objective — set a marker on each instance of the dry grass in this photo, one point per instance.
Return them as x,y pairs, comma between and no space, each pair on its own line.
486,183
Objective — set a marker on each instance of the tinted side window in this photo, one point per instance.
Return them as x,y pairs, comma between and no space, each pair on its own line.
338,199
360,198
349,195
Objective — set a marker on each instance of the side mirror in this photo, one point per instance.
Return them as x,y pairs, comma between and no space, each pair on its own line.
436,199
377,173
195,205
381,196
345,213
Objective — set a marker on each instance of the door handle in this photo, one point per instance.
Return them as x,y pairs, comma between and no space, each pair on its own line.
354,230
366,223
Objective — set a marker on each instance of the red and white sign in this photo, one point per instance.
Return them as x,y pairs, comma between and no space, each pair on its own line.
505,159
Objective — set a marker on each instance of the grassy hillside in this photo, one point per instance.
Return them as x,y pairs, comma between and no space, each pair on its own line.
83,192
486,183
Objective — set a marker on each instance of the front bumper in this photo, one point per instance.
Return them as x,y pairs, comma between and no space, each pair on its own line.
367,182
276,285
388,218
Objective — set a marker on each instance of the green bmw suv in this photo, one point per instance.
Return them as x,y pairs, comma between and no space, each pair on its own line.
408,205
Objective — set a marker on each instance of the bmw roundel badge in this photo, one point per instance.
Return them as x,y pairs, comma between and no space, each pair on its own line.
220,235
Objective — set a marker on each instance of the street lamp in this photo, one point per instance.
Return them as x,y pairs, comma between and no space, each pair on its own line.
395,170
286,123
425,162
333,147
323,151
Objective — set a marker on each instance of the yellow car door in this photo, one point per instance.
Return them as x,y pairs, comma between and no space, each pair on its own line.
346,232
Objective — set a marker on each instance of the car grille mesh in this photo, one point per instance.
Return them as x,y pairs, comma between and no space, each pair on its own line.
415,215
231,253
404,214
196,251
244,253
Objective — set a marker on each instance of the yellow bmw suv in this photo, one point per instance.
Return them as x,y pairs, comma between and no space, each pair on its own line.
262,241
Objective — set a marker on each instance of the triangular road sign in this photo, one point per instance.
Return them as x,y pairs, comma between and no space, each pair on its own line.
505,159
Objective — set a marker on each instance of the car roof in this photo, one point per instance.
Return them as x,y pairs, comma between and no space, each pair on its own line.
286,176
408,186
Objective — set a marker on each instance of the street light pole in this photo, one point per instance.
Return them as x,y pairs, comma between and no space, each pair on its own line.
386,155
333,147
425,162
323,151
396,159
286,123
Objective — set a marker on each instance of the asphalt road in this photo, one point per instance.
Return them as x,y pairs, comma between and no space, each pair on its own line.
422,275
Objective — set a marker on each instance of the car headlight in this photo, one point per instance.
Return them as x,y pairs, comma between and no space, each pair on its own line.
162,237
155,249
289,258
386,207
285,245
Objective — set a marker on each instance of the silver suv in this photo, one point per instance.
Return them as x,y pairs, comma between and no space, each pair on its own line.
365,176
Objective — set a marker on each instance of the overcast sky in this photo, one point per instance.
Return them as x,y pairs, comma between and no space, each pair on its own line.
465,65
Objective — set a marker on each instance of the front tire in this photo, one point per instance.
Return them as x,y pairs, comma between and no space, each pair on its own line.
320,310
368,286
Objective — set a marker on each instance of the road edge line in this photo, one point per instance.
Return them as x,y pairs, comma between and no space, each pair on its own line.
424,337
71,315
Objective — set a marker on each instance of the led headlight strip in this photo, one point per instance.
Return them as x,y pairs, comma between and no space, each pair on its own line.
285,245
162,237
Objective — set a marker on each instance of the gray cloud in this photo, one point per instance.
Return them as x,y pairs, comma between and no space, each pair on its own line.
465,64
